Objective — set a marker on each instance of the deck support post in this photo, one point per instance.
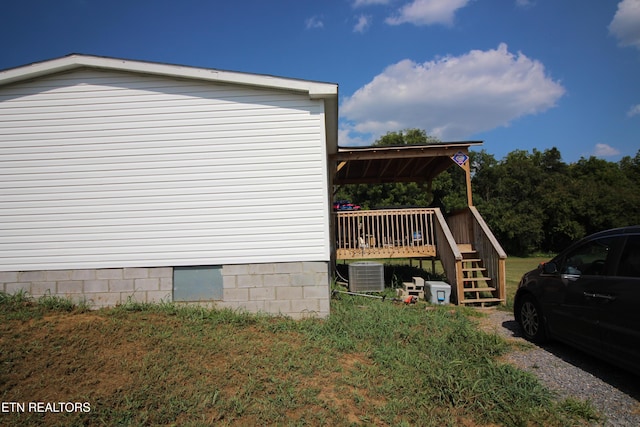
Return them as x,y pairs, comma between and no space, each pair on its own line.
467,171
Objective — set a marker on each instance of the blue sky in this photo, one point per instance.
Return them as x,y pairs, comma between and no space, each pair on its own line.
516,74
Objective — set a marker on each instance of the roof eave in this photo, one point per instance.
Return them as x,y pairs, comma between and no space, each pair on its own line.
316,90
399,151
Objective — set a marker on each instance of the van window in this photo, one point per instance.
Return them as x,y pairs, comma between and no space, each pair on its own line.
630,259
592,258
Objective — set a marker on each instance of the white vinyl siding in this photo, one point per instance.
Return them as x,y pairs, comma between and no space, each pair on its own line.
104,169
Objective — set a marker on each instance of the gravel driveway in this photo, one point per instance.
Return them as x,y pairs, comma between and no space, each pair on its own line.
572,373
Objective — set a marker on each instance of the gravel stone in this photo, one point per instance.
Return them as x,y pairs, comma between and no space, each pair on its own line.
571,373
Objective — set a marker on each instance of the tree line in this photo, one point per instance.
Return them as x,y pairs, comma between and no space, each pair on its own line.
532,201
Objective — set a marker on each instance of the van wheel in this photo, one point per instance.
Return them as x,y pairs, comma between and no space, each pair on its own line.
531,320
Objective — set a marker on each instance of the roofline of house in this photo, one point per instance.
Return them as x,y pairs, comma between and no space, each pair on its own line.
316,90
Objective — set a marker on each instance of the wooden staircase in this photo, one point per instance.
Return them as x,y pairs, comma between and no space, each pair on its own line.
477,289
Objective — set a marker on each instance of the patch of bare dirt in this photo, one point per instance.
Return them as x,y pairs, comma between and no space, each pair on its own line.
65,356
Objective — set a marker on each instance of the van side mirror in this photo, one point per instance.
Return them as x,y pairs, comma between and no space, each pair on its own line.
550,268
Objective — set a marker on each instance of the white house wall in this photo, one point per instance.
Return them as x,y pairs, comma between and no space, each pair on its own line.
105,169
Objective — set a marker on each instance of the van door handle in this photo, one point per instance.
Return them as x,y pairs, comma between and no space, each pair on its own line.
600,296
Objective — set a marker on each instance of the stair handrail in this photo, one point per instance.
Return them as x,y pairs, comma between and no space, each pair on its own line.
449,254
491,251
487,232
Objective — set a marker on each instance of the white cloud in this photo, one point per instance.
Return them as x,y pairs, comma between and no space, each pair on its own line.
314,22
634,111
359,3
451,98
626,23
525,3
348,138
604,150
364,22
427,12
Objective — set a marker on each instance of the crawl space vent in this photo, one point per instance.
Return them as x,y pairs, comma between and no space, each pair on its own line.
366,277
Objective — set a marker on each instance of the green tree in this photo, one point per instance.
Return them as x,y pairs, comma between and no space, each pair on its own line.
406,137
449,190
606,196
483,176
507,200
536,202
554,195
631,168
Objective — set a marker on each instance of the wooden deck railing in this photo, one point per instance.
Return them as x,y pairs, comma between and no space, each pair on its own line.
469,228
388,233
449,254
412,233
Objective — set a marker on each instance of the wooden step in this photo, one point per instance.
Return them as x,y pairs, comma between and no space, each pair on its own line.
485,289
466,248
472,276
471,263
481,300
476,279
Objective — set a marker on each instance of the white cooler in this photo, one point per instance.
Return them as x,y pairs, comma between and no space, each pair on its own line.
437,292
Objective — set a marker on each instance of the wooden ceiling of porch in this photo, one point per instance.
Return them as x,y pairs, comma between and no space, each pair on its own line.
386,164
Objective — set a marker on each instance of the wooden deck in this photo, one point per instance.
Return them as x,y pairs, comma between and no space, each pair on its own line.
473,260
389,233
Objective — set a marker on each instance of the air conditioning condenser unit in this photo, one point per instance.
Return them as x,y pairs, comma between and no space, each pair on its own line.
366,276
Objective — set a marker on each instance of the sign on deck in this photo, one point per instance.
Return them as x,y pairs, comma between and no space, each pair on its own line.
460,158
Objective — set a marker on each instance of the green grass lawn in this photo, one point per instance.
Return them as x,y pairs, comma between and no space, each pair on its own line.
372,362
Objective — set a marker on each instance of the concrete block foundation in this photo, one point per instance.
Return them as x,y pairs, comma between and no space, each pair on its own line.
294,289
